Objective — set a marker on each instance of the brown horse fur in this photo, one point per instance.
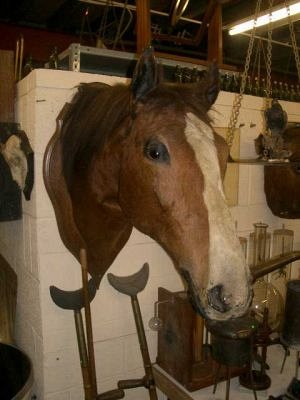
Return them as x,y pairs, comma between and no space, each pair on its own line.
129,158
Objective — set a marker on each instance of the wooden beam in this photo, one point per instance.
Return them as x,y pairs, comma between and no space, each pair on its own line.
215,36
208,15
169,386
143,24
7,87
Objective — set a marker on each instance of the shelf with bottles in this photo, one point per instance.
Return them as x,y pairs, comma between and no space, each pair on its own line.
257,87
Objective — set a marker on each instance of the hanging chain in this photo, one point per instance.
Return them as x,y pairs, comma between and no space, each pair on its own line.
293,39
269,56
239,96
268,69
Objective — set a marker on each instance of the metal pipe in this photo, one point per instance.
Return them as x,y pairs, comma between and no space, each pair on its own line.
132,7
267,40
271,265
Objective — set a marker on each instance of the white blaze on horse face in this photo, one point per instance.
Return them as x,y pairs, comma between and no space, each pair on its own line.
227,265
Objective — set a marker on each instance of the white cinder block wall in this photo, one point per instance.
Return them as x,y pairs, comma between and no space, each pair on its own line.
34,249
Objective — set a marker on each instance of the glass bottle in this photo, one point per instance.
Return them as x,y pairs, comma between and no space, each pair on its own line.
248,86
292,93
195,75
244,245
275,90
256,87
282,243
280,91
259,244
262,89
177,74
287,95
227,82
28,67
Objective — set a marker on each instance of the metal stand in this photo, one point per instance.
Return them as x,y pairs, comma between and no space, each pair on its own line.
232,346
131,286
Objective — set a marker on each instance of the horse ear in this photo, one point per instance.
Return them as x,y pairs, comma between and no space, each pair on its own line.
211,85
146,74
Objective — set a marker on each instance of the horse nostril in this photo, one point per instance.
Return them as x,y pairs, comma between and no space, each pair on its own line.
217,299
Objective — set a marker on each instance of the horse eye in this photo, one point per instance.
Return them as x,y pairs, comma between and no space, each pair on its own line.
156,151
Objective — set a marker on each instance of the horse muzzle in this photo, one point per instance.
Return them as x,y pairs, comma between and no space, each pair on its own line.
216,303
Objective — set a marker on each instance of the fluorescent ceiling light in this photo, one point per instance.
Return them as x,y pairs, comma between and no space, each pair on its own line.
264,19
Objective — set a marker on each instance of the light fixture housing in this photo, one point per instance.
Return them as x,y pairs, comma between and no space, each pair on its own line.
265,18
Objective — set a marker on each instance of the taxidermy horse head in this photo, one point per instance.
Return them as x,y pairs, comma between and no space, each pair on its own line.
145,156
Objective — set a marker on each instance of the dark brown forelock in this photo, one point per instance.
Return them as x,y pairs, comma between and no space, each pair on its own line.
97,110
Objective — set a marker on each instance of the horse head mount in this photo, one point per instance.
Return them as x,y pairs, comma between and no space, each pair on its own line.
146,156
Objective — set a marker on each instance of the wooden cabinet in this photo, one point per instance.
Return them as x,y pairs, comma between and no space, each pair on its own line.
182,352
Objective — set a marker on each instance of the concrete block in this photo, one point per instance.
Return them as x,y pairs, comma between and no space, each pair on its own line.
48,237
256,179
109,356
61,270
65,395
61,371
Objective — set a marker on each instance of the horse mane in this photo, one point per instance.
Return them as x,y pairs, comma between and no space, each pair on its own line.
98,109
90,119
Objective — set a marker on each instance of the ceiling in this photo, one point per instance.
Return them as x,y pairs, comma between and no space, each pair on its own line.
116,28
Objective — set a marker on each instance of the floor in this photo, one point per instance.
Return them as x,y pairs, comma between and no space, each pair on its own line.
279,384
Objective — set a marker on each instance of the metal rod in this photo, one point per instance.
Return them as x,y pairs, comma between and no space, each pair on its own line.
267,40
88,321
271,265
132,7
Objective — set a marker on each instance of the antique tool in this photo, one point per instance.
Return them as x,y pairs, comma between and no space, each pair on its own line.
184,351
291,336
232,346
264,268
180,334
88,321
266,313
282,243
74,300
131,286
291,327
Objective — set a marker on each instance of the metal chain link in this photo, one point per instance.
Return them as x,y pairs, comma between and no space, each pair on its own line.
267,103
239,96
269,56
293,39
